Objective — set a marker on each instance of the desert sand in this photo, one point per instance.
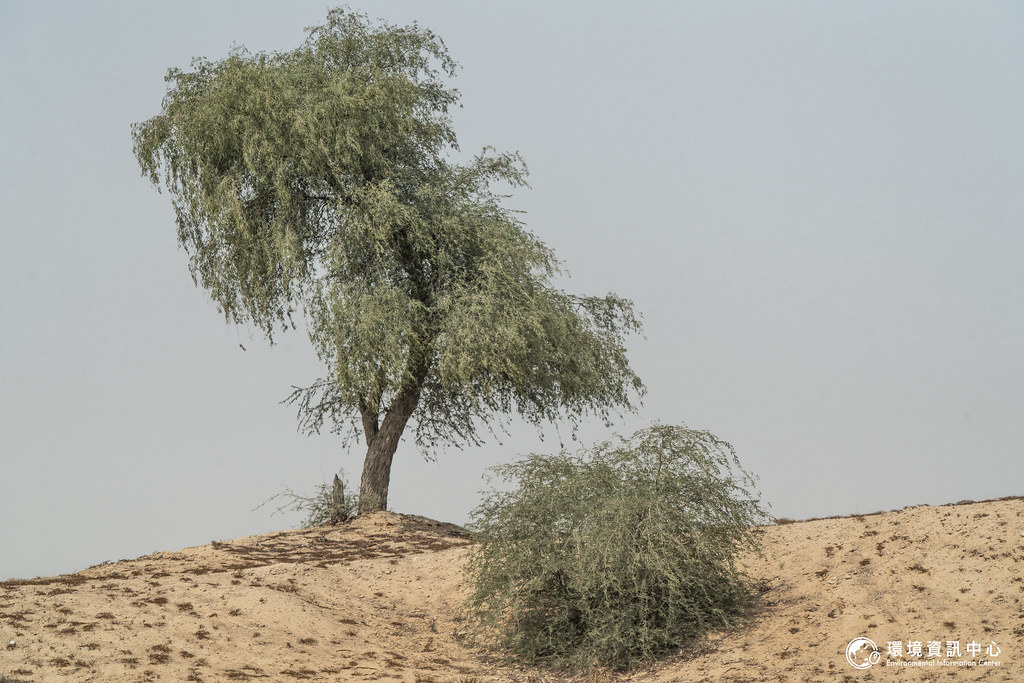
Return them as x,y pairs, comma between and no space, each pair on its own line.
378,599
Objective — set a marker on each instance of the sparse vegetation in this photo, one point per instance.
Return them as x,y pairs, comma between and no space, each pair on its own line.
615,555
327,505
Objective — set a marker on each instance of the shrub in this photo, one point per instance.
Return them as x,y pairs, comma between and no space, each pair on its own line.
327,505
615,555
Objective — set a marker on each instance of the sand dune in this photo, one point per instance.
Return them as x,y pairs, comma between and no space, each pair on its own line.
377,599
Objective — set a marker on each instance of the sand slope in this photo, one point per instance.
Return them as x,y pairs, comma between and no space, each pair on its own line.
377,599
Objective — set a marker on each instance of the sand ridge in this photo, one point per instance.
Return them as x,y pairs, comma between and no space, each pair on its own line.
378,599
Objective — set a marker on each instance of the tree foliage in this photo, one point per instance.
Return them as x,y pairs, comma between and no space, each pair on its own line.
319,181
616,554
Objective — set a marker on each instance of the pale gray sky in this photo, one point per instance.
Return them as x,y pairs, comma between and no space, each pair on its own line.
816,206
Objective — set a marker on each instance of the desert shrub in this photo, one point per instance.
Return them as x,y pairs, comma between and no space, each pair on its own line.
615,555
328,504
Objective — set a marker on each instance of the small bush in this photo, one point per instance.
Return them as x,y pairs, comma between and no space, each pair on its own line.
327,505
615,555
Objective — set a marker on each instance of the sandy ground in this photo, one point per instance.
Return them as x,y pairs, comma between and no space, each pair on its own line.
377,599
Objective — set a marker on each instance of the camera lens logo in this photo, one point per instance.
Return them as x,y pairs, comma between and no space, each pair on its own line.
861,653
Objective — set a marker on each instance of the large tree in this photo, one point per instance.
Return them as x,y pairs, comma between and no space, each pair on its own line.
320,181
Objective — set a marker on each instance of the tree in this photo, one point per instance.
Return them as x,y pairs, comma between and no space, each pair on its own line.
616,554
318,181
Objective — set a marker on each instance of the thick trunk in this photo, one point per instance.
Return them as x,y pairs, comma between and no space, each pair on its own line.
373,487
382,442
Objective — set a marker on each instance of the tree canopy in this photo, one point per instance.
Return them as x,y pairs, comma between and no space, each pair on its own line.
320,181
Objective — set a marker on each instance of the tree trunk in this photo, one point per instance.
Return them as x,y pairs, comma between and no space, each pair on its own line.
373,487
382,442
339,510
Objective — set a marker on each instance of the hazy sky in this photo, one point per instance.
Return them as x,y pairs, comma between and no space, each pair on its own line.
816,206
